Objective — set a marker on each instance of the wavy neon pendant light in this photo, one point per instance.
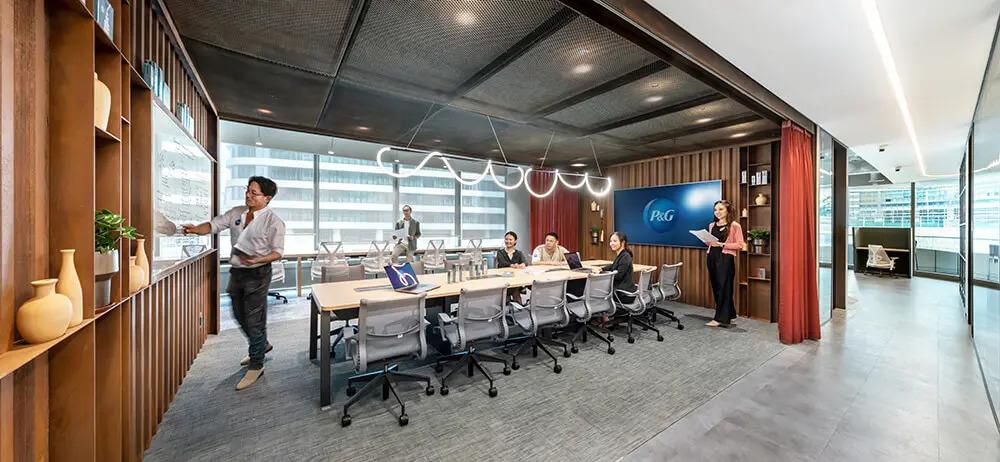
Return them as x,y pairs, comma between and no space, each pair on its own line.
558,177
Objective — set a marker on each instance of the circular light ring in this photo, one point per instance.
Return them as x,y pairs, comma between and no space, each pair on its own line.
508,188
572,186
527,185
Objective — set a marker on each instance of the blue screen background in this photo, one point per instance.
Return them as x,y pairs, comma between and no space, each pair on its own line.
663,215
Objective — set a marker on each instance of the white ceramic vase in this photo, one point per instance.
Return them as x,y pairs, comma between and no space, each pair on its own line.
102,104
69,285
45,316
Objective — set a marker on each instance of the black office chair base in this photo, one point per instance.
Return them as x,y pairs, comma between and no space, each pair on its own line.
538,343
637,319
471,360
581,334
277,296
670,315
339,333
384,380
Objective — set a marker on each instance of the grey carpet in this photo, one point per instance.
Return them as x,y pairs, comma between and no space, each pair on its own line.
599,408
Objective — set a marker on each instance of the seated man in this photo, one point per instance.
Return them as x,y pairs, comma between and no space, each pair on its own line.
549,253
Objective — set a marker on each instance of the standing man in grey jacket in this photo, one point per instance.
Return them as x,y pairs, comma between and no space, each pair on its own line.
407,232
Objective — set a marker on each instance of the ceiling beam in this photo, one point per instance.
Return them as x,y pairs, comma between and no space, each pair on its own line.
359,8
673,108
545,30
706,127
605,87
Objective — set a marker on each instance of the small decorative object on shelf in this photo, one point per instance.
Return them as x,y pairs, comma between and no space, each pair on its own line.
136,276
45,316
745,213
743,177
602,235
69,285
104,14
762,273
753,180
184,115
593,206
109,229
758,239
594,234
761,199
102,104
763,177
153,76
141,260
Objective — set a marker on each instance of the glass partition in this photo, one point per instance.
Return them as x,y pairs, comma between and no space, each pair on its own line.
936,229
825,224
876,206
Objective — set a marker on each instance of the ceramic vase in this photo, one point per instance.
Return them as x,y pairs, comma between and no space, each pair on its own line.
761,199
105,267
136,276
745,213
69,285
45,316
102,104
141,260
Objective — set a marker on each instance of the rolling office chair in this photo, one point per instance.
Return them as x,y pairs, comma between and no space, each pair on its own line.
546,310
879,259
482,315
330,262
596,301
387,329
350,273
634,310
277,275
377,259
666,289
434,257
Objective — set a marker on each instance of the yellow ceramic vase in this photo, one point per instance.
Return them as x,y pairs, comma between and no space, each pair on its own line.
45,316
141,260
69,285
136,276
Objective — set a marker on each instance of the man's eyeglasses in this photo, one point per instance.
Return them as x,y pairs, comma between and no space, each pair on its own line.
253,193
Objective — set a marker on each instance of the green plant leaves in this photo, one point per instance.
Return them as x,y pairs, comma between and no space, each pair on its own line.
108,230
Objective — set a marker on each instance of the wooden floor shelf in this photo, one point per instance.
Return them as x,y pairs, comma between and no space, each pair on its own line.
103,137
23,353
105,42
759,279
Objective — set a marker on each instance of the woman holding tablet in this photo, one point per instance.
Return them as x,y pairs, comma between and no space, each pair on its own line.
722,261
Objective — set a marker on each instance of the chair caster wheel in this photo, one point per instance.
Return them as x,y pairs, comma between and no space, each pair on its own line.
403,420
444,390
493,392
429,390
506,371
557,369
575,350
515,366
439,368
611,338
631,340
659,338
611,350
680,327
567,354
345,421
351,391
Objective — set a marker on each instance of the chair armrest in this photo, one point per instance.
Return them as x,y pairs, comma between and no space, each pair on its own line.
625,292
516,306
445,318
573,297
410,330
486,319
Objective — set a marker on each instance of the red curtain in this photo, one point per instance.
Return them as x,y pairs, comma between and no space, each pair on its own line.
559,212
798,309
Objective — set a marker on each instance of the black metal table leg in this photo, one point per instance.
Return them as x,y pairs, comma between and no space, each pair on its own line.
324,361
313,314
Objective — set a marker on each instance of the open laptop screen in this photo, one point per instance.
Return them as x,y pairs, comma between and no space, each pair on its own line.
401,276
573,260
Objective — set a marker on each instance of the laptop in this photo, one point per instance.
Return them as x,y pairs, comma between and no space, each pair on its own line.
403,279
573,260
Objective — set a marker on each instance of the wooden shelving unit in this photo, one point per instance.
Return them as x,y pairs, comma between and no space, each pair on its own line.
98,392
756,294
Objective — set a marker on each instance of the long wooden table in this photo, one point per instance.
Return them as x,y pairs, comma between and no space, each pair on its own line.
341,301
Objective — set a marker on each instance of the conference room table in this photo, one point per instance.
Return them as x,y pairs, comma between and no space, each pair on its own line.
341,301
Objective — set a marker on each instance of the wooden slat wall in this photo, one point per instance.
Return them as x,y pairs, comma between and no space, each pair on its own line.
718,164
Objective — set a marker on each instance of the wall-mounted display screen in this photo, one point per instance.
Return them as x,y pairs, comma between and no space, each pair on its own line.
664,215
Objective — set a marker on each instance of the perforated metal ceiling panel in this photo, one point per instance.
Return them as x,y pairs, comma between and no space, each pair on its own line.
439,44
303,34
241,85
356,111
678,120
723,136
661,89
579,56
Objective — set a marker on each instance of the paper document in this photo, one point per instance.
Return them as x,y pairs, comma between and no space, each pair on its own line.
704,235
535,269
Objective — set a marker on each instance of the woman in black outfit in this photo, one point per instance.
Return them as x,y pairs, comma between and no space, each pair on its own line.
508,256
622,264
722,261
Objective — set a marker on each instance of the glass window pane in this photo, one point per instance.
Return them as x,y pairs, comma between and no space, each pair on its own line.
876,206
484,209
430,192
937,225
355,202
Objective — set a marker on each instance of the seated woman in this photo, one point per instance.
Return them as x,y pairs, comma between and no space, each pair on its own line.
622,264
509,256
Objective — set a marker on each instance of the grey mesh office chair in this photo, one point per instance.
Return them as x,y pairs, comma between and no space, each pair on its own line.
634,310
387,329
879,259
377,258
597,300
348,273
434,257
330,262
546,310
665,290
481,316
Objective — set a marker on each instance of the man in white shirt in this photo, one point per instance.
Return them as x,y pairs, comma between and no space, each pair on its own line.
258,238
406,233
549,253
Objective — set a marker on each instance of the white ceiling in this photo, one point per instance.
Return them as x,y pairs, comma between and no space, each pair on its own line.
820,57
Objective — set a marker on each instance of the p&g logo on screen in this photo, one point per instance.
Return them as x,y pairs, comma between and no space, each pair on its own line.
659,214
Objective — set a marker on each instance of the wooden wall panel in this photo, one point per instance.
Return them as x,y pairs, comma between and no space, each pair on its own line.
717,164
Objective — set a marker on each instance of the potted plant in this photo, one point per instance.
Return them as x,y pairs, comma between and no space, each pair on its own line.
594,234
758,239
108,230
